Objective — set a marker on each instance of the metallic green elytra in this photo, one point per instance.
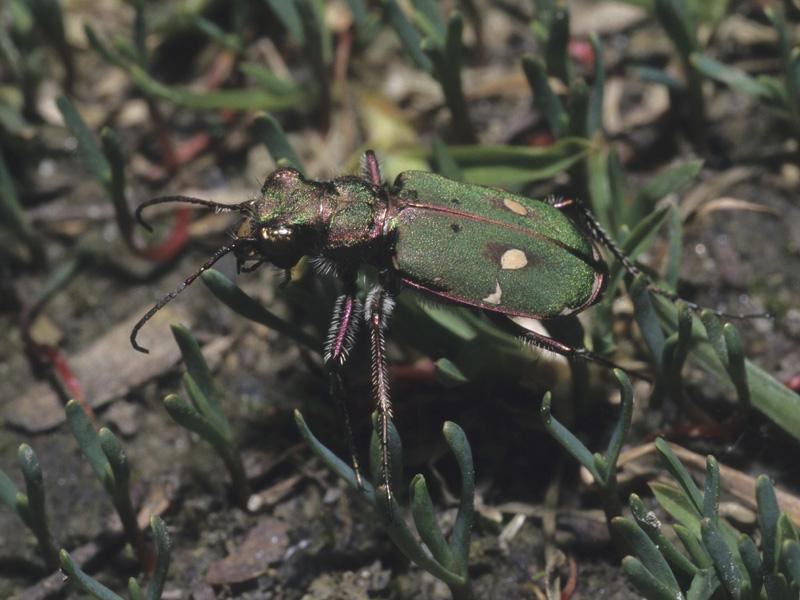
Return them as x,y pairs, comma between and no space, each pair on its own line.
465,244
491,249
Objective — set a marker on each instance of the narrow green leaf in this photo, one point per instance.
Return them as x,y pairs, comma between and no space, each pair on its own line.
186,416
510,165
156,587
648,554
118,463
724,562
697,553
232,296
649,586
203,407
570,443
736,365
230,99
682,344
94,157
711,496
681,476
786,529
648,522
768,514
556,54
544,96
427,525
578,111
768,395
704,584
445,163
623,423
333,462
8,491
112,150
735,78
12,216
34,482
286,11
210,405
791,555
215,32
83,581
675,19
595,115
448,374
646,318
752,563
409,37
274,138
459,539
675,229
134,591
659,187
89,441
269,80
427,11
601,183
658,76
636,242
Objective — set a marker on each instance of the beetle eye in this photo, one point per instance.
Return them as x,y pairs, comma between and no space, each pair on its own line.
277,240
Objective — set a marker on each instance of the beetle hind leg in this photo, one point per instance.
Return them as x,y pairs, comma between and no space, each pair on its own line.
378,306
546,343
599,234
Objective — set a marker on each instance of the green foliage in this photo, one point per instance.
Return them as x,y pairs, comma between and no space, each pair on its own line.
110,463
782,97
603,469
721,563
13,219
273,93
205,416
438,51
447,562
156,586
30,507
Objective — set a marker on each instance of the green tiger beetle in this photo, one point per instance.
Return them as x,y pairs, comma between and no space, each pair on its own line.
464,244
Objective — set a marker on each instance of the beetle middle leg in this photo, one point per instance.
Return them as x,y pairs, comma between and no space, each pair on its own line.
341,337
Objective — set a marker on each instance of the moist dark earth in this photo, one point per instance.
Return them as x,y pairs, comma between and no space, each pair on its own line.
321,540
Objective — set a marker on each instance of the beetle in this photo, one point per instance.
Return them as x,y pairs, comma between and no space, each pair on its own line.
465,244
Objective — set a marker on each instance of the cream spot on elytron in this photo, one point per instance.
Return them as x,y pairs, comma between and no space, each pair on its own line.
514,206
513,259
495,296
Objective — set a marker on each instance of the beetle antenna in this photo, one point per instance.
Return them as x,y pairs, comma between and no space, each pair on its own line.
217,206
217,255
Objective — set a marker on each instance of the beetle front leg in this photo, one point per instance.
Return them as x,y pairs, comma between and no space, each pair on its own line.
341,336
379,305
